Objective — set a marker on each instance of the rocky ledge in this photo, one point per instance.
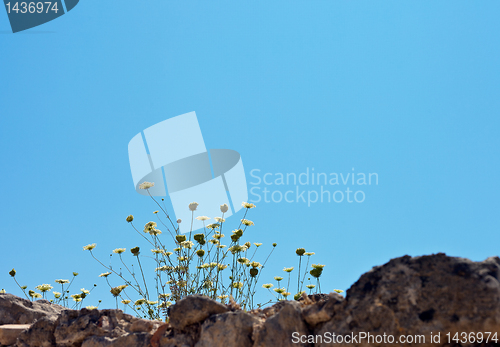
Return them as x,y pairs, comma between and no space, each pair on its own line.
427,300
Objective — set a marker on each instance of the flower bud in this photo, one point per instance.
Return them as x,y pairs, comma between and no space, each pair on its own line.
135,251
224,208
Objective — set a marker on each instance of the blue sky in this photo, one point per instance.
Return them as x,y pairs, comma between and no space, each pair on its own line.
407,90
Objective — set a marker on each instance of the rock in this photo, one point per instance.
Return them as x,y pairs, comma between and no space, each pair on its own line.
10,332
128,340
417,296
15,310
193,309
230,329
40,334
103,328
177,338
278,329
89,328
322,310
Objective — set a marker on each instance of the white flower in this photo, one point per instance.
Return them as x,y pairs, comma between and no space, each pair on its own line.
146,185
247,205
219,219
193,206
224,208
202,218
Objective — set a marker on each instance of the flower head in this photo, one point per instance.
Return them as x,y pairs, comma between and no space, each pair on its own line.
187,244
44,287
256,264
154,232
119,250
267,285
12,272
288,269
221,267
202,218
63,281
117,290
220,219
179,221
300,251
105,274
165,304
277,278
57,295
224,208
257,244
280,290
149,226
213,226
135,251
254,272
237,285
317,266
180,238
309,253
126,302
89,247
247,205
146,185
243,261
316,273
247,222
193,206
130,218
338,291
140,302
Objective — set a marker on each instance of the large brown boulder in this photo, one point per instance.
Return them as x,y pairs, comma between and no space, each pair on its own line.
419,296
15,310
